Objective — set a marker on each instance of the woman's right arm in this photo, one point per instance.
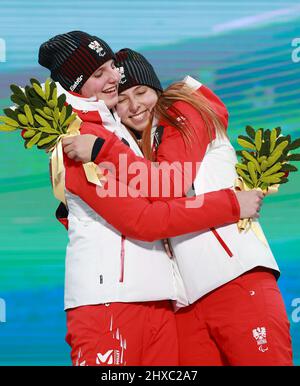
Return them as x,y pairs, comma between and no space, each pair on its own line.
139,218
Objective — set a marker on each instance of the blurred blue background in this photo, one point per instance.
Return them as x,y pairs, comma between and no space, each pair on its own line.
245,50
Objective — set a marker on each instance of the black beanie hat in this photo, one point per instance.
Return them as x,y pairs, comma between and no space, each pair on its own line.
73,57
135,70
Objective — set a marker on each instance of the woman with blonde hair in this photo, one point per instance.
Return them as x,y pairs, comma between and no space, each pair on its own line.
236,314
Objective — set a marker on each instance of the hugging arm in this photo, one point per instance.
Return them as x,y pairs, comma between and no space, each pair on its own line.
139,218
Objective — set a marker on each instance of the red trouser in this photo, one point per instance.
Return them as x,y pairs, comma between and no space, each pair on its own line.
244,322
132,334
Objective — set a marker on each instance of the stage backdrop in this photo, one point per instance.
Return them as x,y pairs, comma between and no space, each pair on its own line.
247,52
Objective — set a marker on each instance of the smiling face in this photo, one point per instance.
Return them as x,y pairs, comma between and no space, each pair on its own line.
103,84
135,107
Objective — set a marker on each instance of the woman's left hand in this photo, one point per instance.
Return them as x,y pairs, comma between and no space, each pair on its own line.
79,148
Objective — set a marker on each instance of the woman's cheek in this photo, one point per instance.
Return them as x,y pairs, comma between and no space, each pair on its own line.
152,102
121,111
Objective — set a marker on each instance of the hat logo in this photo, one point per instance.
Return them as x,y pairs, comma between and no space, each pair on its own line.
97,47
76,83
122,73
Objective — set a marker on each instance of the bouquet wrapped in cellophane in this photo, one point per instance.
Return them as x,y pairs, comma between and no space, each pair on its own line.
265,161
44,119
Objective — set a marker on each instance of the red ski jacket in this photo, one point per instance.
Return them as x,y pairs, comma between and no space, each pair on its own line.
153,218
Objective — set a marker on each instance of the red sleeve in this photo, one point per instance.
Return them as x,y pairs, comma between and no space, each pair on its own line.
216,103
177,161
138,218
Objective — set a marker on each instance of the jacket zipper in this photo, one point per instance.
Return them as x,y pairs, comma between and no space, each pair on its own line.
222,242
122,258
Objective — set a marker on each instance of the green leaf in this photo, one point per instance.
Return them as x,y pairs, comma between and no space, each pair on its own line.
258,139
62,116
47,145
273,139
18,92
27,88
47,140
18,101
61,100
250,131
288,138
34,98
35,81
7,128
245,138
33,140
288,168
281,139
10,113
48,130
263,185
278,129
242,166
69,111
246,142
39,91
52,87
267,134
265,148
28,114
51,103
9,121
44,114
47,88
29,134
294,145
70,119
41,120
23,120
284,180
293,157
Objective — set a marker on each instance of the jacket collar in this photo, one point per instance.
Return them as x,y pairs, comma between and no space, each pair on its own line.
79,102
92,110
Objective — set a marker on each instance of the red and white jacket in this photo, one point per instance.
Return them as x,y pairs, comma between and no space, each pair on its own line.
103,262
213,257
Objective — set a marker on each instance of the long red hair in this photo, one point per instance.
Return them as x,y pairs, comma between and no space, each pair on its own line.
169,114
